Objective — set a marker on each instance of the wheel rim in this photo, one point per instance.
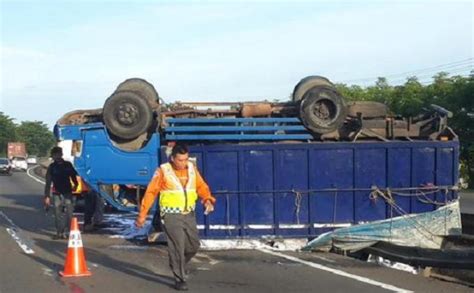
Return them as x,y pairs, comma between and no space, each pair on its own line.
325,111
127,114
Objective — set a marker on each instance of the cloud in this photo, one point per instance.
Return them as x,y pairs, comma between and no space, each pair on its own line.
227,52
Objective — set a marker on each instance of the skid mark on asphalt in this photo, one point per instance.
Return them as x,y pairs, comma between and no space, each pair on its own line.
48,272
335,271
200,256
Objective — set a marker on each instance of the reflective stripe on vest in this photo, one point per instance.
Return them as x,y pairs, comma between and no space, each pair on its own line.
173,197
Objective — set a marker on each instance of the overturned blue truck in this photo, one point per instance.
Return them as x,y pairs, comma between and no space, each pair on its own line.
300,168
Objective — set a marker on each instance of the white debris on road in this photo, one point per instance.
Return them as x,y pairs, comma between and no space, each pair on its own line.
392,264
122,226
272,244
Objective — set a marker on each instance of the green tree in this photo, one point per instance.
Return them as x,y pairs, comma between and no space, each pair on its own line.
7,132
382,92
453,93
352,93
36,136
409,99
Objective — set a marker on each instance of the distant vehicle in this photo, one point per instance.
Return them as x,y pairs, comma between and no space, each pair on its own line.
19,163
32,160
16,149
5,166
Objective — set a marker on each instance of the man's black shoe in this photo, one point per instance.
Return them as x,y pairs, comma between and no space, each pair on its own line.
57,237
88,228
181,286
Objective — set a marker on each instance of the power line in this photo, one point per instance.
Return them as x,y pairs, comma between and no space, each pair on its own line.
454,70
427,81
437,67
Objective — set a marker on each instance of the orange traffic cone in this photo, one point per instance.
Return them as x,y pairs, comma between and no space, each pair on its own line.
75,265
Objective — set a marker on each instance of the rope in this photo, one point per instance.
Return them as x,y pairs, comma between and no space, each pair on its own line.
298,199
396,191
376,192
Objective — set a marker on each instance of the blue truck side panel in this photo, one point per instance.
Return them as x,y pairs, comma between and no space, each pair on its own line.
285,189
251,183
399,176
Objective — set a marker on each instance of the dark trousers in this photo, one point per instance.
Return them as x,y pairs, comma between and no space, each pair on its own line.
89,207
63,209
183,241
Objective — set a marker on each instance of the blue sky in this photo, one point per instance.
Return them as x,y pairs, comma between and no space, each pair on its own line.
58,56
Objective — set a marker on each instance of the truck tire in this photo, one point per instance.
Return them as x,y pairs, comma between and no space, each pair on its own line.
308,83
127,115
142,88
368,109
322,110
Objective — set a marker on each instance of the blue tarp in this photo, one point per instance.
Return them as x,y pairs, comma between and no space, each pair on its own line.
424,230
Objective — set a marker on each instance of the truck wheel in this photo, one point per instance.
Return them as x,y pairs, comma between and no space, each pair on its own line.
142,88
127,115
322,110
308,83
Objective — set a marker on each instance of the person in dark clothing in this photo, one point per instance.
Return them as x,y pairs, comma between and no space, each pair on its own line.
61,173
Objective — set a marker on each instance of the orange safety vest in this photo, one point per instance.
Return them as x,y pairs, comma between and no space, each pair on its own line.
174,198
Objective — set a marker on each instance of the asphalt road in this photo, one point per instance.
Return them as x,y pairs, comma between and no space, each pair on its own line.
467,202
30,261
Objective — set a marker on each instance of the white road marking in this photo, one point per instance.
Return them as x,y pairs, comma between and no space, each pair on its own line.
322,258
12,232
128,247
20,242
337,272
8,220
32,176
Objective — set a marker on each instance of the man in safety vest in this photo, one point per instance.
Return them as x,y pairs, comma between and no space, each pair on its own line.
178,184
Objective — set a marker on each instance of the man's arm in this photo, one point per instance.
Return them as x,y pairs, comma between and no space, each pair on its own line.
151,193
203,190
47,189
47,185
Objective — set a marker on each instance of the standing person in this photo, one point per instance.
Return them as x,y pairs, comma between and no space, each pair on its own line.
178,184
61,173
